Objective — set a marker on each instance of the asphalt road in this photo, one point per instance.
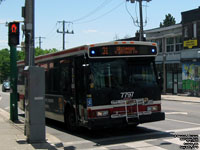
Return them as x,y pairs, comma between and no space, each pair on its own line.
182,120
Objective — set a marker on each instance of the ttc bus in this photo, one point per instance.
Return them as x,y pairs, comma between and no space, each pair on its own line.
101,85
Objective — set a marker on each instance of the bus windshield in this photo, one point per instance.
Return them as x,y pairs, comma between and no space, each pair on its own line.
121,73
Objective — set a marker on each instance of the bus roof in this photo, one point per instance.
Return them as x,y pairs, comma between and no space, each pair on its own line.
82,49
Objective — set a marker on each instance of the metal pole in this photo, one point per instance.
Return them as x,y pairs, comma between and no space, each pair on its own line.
33,35
29,32
63,34
164,73
13,84
141,21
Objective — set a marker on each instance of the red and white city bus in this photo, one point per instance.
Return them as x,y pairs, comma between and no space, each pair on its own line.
100,85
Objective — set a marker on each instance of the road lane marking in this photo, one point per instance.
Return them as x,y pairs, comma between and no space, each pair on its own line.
128,137
139,145
142,145
96,148
53,139
184,130
176,113
176,141
186,103
183,121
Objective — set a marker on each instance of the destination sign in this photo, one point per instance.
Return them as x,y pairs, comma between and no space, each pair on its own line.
122,50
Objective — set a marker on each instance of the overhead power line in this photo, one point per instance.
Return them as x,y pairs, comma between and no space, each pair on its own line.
140,24
98,8
106,13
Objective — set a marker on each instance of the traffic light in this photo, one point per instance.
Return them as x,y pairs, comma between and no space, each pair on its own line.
13,33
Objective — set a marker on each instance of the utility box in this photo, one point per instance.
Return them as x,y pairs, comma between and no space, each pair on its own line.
35,104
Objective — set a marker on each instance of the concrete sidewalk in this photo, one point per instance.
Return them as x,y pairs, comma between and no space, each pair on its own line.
182,98
12,136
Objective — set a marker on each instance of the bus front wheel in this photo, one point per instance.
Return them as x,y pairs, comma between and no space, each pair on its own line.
70,120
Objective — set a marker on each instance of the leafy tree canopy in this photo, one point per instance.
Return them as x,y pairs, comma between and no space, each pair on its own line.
4,64
38,52
5,60
168,21
1,1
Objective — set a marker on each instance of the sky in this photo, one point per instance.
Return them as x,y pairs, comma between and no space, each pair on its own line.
93,21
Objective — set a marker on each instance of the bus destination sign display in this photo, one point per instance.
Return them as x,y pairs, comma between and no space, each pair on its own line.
122,50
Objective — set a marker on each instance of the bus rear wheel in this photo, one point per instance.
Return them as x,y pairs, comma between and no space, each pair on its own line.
70,120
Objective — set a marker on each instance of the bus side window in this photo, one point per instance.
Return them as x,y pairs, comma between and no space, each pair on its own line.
65,77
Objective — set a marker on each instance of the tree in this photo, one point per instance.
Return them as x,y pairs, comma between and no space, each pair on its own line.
168,21
4,64
5,60
1,1
38,52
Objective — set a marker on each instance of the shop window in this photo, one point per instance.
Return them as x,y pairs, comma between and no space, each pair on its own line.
179,43
170,44
195,30
185,30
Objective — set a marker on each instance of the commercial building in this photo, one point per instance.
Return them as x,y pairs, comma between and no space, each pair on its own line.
179,53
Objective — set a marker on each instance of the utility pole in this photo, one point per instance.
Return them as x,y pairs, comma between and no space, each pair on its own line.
141,21
64,31
34,127
29,29
40,40
141,17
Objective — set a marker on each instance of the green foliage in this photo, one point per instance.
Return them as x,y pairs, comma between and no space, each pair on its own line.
20,55
168,21
38,52
5,60
4,64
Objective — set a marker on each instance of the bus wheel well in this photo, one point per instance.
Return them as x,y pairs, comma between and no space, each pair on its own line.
68,108
70,117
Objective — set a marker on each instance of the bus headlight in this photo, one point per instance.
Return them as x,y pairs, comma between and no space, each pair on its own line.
152,108
102,113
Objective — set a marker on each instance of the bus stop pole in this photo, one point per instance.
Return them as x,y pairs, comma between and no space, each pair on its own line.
13,84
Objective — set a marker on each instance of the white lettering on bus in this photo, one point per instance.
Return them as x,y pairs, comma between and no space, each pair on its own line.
127,95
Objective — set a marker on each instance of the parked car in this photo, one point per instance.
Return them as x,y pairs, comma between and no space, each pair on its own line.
5,86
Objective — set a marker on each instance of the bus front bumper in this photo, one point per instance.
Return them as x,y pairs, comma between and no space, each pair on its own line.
99,123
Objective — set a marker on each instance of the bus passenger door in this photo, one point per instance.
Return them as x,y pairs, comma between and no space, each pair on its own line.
81,85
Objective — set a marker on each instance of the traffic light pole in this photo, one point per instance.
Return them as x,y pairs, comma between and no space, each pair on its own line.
13,83
13,41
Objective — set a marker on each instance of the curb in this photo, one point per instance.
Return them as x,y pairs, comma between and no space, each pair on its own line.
180,100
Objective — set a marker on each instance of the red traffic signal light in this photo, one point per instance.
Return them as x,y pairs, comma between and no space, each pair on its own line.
13,31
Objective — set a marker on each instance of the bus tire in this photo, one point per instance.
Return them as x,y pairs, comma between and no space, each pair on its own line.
70,120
